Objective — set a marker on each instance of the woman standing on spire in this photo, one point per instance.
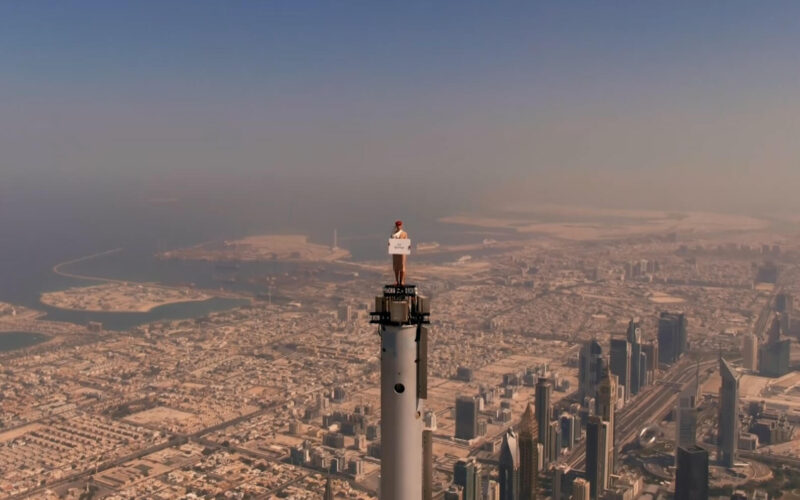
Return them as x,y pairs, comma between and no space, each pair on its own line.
399,261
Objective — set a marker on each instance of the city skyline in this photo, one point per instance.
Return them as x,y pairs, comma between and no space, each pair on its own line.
587,291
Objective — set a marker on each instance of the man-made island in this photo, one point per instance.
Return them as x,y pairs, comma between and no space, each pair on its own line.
259,248
120,297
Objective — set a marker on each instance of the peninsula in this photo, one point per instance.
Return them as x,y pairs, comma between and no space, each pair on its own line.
120,297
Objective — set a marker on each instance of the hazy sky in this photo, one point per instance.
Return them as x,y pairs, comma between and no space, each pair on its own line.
673,104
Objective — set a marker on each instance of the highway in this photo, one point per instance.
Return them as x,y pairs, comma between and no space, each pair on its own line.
649,406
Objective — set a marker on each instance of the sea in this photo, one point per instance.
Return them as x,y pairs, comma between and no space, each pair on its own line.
40,228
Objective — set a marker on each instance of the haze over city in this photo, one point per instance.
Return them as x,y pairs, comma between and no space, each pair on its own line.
599,200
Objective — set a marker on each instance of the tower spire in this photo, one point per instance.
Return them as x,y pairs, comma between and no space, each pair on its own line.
402,315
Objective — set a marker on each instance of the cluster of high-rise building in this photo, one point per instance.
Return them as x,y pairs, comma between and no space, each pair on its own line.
767,425
639,268
600,440
518,467
539,440
330,421
633,361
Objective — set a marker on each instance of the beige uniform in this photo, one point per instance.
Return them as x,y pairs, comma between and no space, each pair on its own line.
399,261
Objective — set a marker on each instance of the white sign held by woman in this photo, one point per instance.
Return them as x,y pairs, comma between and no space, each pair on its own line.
398,246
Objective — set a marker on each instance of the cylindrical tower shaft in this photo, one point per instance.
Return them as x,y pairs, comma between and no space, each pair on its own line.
401,415
402,315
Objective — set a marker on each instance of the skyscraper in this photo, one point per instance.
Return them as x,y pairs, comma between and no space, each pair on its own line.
686,419
691,476
590,368
634,336
650,349
750,351
581,489
597,445
491,490
466,417
328,494
620,363
672,339
774,357
554,440
559,473
466,473
605,408
784,304
528,455
728,414
568,430
402,316
509,467
544,390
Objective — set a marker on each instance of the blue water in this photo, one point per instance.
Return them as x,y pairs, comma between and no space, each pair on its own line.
124,321
10,341
42,227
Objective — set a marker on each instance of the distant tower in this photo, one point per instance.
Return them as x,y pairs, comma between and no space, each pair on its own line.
605,407
650,350
686,421
402,315
784,304
672,339
581,490
750,351
528,455
590,368
508,468
559,474
554,440
466,473
728,414
544,391
775,354
597,447
569,430
691,476
620,363
635,340
466,417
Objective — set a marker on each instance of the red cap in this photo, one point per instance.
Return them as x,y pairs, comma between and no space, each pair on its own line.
398,223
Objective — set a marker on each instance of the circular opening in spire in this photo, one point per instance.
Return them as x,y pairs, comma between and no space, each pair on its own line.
399,388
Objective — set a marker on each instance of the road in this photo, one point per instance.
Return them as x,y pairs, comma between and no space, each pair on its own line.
57,267
649,406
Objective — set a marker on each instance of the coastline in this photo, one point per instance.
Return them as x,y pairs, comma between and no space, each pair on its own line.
202,295
140,310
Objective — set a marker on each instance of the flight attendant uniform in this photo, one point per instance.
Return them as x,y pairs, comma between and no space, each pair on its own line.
399,261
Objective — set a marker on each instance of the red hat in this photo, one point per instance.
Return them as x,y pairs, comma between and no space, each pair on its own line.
398,223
